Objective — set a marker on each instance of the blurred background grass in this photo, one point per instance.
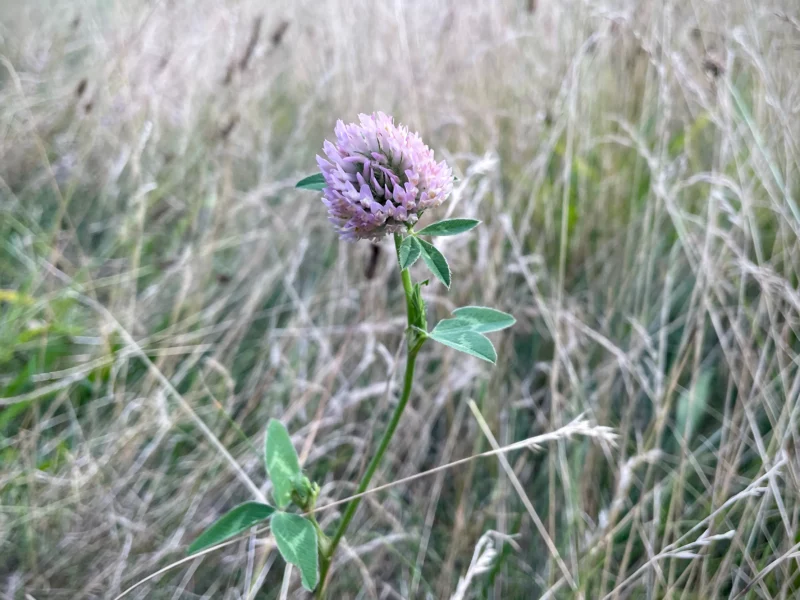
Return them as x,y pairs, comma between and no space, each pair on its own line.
635,165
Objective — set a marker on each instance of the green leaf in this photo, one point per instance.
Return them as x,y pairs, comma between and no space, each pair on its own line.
312,182
418,317
297,543
282,463
483,319
449,227
692,406
235,521
465,331
409,252
464,340
436,262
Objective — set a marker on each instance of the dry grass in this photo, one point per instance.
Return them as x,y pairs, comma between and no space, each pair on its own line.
164,291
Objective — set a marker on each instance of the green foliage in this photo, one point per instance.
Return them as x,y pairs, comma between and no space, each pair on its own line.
465,331
483,319
304,492
409,252
692,406
436,262
449,227
615,253
464,340
418,318
312,182
231,523
296,537
283,466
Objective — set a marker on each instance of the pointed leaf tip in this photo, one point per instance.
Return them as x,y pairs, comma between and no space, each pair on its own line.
409,252
449,227
235,521
312,182
436,262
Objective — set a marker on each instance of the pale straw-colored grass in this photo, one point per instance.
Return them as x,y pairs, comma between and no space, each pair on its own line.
164,291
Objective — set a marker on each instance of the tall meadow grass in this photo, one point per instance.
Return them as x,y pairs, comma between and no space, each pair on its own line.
164,291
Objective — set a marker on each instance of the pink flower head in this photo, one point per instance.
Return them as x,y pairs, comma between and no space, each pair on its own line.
379,178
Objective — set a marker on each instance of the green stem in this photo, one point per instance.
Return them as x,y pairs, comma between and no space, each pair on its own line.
406,277
352,506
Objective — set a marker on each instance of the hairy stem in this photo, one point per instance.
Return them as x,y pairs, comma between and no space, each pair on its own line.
415,343
407,287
